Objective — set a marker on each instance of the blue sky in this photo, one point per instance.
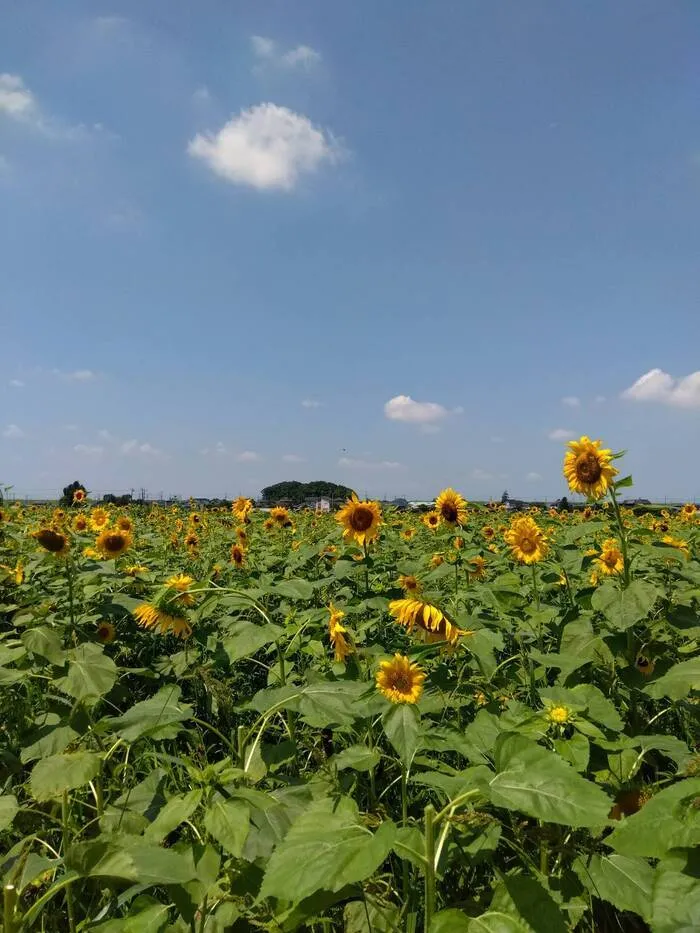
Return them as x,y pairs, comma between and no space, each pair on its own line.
396,245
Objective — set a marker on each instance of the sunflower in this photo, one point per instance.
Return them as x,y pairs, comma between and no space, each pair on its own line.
80,523
113,543
16,573
91,553
237,555
610,560
242,536
337,633
677,543
409,583
526,540
488,532
136,570
478,571
436,560
688,511
431,622
587,512
195,518
280,517
106,632
360,519
79,495
241,508
124,523
408,533
451,507
559,715
99,518
644,665
192,540
53,541
268,524
588,468
181,583
399,680
431,520
627,803
458,544
151,617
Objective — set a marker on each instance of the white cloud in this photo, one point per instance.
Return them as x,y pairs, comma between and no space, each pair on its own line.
352,463
16,100
478,474
561,434
599,399
89,450
311,403
13,432
78,375
219,448
104,434
247,456
134,448
533,477
292,458
404,408
573,401
658,386
266,147
268,52
16,383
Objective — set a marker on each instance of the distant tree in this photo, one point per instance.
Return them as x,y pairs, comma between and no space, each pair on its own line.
67,499
110,499
564,504
504,497
297,493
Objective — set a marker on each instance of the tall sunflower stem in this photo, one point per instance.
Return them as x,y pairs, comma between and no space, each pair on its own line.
404,822
69,890
9,904
623,538
429,906
535,587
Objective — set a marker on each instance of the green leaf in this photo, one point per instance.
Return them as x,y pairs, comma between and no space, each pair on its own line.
528,901
51,742
296,588
326,849
450,921
623,483
8,809
675,902
45,643
401,724
52,775
539,783
176,811
157,717
409,844
678,682
244,638
331,702
370,916
228,821
624,607
623,881
91,673
575,750
600,709
495,922
668,821
129,858
357,757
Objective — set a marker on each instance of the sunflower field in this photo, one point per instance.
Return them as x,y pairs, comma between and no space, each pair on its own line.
368,721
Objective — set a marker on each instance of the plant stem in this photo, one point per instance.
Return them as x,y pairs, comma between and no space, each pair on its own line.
429,867
69,890
8,913
535,587
404,822
623,538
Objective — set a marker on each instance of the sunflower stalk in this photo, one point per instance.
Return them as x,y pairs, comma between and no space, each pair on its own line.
429,906
9,903
623,538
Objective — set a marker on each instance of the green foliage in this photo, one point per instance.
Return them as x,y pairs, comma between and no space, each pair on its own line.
297,493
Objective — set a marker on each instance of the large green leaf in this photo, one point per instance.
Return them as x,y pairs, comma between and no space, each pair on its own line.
158,717
8,809
623,881
331,702
176,811
668,821
44,642
228,821
401,724
52,775
495,922
529,902
678,682
296,588
357,757
326,849
91,673
370,916
624,607
675,902
244,638
129,858
450,921
50,742
539,783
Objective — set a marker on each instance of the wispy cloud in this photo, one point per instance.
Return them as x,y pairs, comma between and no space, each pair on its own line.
404,408
573,401
218,449
266,147
77,375
13,432
659,386
533,477
268,52
311,403
481,475
16,383
352,463
89,450
248,456
134,448
292,458
561,434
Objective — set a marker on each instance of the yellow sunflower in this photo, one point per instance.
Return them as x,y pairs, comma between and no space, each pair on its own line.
106,632
337,632
526,540
195,518
677,543
268,524
151,617
80,523
610,560
241,508
136,570
360,519
280,517
192,540
182,583
451,507
242,536
689,511
644,665
436,560
478,568
113,543
79,495
399,680
409,583
408,533
99,518
53,541
431,520
432,623
124,523
488,532
237,555
588,468
559,715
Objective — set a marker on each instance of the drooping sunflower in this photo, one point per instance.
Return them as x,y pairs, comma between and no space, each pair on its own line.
526,540
451,507
337,632
99,518
280,516
242,536
80,523
409,583
610,560
478,568
124,523
431,520
241,508
106,632
587,513
360,519
588,468
182,584
399,680
135,570
113,543
430,622
149,616
56,542
237,555
192,540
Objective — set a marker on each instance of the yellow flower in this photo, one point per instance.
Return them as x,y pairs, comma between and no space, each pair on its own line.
479,568
488,532
431,622
99,518
113,543
610,561
399,680
559,715
409,583
588,468
195,518
431,520
91,553
436,560
16,573
451,507
458,544
182,583
360,520
241,508
106,632
644,665
268,524
688,511
53,541
408,533
526,540
280,517
242,536
587,512
135,570
80,523
237,555
337,633
677,543
79,495
192,540
151,617
124,523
